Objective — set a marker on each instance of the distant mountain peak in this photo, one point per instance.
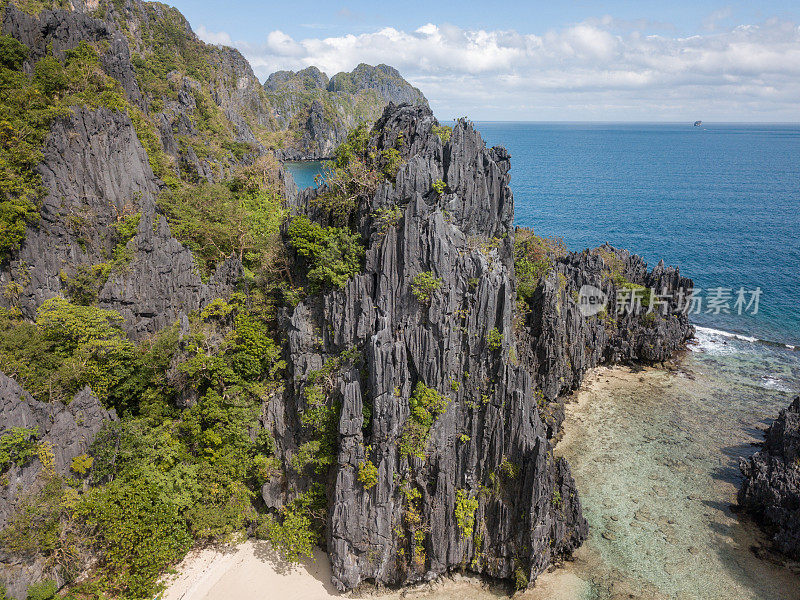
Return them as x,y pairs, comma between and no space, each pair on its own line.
325,110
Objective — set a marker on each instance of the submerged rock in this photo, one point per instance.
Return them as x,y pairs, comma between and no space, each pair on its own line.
771,489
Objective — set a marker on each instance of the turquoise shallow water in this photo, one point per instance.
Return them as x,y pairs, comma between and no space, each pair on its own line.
305,172
655,456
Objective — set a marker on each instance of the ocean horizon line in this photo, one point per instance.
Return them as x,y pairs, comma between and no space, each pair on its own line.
585,122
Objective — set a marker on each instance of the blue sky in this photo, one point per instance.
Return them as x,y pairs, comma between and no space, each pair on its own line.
569,60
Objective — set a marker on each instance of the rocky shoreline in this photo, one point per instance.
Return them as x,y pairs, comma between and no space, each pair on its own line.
771,489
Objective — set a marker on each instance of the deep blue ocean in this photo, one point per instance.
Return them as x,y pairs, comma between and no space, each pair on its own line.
720,201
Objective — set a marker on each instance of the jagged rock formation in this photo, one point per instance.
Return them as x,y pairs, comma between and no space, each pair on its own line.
319,112
771,489
487,494
97,172
491,446
62,30
560,344
162,281
69,430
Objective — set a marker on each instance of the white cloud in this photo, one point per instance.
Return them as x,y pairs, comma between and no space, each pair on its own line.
596,69
211,37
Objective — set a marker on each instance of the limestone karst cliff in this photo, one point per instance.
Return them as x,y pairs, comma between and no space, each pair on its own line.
484,492
319,112
771,488
67,431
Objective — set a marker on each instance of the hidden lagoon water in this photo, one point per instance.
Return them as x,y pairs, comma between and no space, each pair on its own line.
655,453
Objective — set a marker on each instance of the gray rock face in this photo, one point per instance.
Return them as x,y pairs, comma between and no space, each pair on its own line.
62,30
560,344
96,171
162,282
771,489
70,430
491,444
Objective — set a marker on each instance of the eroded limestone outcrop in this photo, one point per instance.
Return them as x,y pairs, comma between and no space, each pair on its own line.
771,489
68,428
489,455
321,112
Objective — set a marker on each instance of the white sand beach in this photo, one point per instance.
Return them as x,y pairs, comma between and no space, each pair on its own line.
252,570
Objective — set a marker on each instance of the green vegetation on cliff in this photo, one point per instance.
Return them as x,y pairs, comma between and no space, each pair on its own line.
315,113
161,477
240,216
186,461
28,105
534,257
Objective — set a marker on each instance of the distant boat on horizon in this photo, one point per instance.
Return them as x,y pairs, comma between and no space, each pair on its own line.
698,123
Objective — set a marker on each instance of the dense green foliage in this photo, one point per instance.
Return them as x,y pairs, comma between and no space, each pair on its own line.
334,254
465,513
495,339
44,590
367,474
139,531
300,525
67,348
444,132
25,116
534,257
34,7
17,446
354,174
351,176
426,405
424,285
28,105
161,477
240,217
